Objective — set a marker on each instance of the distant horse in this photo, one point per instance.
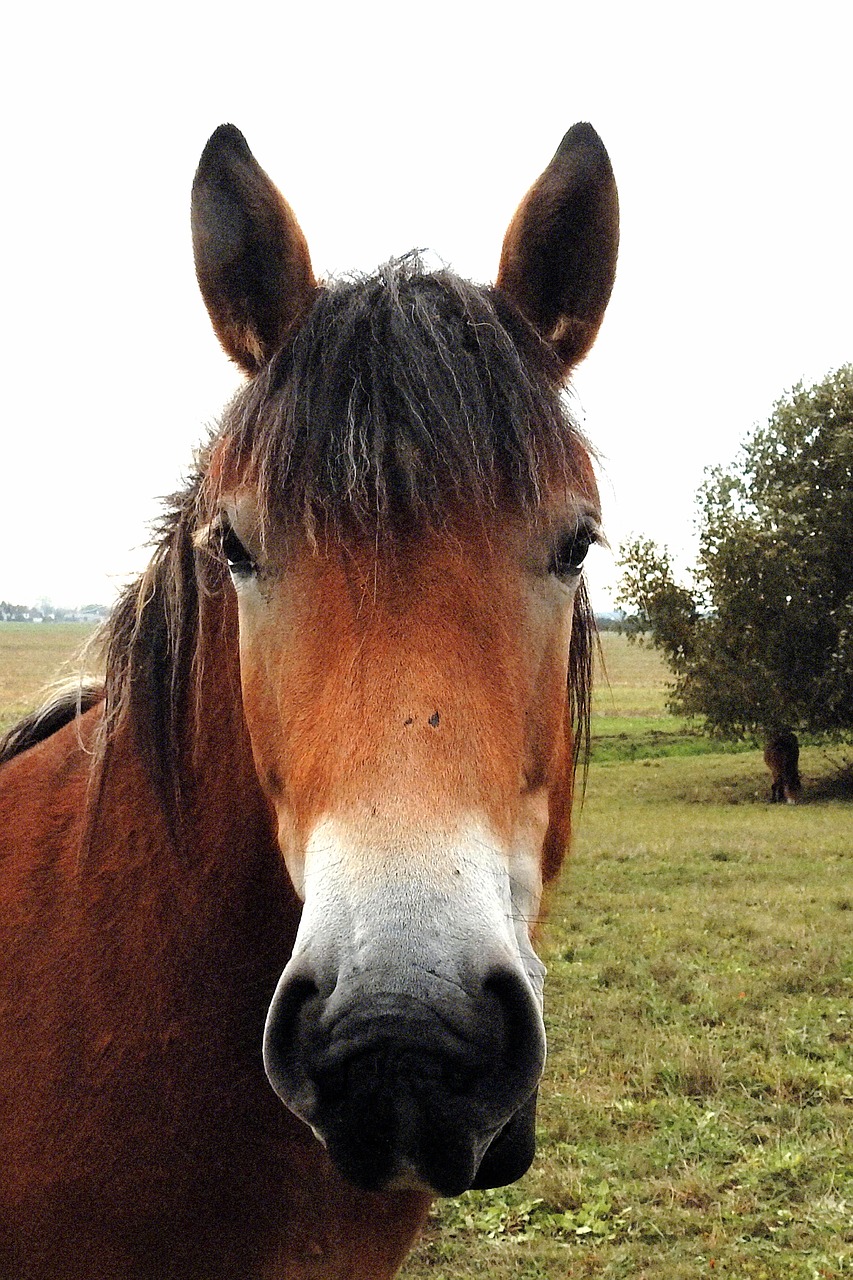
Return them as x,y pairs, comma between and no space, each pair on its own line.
782,757
299,838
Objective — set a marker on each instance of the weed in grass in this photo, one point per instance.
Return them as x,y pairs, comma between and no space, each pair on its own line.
502,1212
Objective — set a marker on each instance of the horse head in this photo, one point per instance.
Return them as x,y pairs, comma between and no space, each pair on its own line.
404,506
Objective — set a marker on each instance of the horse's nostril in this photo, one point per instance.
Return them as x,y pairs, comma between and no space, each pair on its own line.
291,1001
521,1034
288,1032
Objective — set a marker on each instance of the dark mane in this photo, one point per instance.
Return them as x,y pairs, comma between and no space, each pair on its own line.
402,395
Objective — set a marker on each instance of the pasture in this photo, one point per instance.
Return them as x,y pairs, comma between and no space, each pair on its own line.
31,655
695,1118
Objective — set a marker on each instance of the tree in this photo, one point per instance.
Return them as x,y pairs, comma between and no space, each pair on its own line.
660,606
764,637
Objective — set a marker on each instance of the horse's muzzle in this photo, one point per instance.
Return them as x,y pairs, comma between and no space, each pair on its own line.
408,1078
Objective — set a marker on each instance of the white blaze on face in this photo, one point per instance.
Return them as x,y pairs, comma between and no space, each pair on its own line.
449,904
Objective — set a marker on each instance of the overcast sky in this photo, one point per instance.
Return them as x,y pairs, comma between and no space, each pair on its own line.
390,127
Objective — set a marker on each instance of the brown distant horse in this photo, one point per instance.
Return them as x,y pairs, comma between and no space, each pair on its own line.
782,757
267,899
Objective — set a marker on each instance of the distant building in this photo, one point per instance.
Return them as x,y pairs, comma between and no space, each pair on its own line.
90,613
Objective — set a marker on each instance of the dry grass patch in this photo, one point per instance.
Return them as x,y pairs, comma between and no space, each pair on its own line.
31,655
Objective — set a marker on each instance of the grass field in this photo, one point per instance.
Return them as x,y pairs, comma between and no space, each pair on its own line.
696,1113
31,654
696,1117
631,720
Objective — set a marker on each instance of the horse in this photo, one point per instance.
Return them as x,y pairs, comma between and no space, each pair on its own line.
782,757
270,891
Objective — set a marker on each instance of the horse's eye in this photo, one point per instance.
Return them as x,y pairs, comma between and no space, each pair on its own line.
240,561
570,552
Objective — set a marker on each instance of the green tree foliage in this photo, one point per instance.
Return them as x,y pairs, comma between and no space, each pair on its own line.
764,638
655,603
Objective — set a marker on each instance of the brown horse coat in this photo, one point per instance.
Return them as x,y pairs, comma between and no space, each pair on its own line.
301,840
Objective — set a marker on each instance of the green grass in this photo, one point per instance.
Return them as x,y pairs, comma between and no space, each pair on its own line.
696,1116
649,738
696,1113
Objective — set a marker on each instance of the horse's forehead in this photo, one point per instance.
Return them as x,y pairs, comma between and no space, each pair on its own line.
424,573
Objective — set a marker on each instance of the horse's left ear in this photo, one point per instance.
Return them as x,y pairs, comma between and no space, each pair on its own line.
251,258
559,254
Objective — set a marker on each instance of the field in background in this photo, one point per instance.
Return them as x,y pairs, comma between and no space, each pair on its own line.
695,1118
630,717
31,655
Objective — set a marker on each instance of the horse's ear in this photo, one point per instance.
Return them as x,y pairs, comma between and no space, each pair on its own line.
251,258
559,254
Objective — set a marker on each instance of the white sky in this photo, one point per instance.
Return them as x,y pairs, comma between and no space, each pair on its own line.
390,127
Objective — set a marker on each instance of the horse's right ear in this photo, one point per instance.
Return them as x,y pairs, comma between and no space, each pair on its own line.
559,254
251,258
